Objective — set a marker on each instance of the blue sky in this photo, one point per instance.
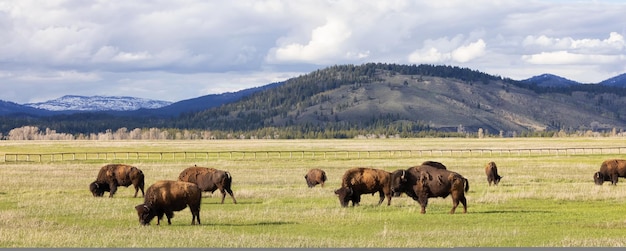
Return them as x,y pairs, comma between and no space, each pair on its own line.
176,50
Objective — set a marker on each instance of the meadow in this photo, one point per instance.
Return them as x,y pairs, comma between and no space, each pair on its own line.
543,200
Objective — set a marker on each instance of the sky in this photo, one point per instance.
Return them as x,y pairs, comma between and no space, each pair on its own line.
178,50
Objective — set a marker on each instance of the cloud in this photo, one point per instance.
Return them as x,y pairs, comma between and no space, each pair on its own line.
468,52
614,43
154,47
326,42
564,57
462,53
586,51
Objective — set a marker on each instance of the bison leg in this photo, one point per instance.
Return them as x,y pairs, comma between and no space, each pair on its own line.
423,203
230,192
455,203
195,214
159,218
356,199
136,191
464,202
169,215
113,189
382,197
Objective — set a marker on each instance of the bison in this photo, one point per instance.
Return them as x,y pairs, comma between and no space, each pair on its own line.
362,180
315,176
492,173
113,175
424,181
434,164
168,196
610,170
209,179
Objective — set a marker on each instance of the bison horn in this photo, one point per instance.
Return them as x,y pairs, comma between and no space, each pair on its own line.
402,177
146,207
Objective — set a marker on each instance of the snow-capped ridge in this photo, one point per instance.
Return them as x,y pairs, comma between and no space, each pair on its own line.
98,103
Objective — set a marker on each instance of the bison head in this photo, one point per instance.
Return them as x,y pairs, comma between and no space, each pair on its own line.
98,189
345,196
398,179
145,213
598,178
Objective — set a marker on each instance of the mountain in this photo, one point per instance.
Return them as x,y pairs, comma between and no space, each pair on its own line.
618,81
201,103
7,108
98,103
373,97
425,96
550,80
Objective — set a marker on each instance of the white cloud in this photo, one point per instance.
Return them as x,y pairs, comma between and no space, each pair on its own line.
564,57
461,53
468,52
326,42
168,43
428,56
614,43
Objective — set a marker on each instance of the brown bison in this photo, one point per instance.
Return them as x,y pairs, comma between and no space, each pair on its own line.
424,181
209,180
610,170
492,173
315,176
361,180
434,164
168,196
113,175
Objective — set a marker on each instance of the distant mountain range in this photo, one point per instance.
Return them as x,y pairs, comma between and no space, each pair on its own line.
131,106
98,103
349,97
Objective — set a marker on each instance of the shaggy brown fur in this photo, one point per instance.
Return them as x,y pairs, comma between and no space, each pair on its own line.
610,170
491,170
362,180
423,182
315,176
209,180
113,175
168,196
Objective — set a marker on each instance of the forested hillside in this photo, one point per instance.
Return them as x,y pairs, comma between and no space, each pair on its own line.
346,101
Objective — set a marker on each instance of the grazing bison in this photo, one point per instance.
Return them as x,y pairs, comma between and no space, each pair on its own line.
434,164
315,176
209,179
424,181
168,196
492,173
361,180
610,170
113,175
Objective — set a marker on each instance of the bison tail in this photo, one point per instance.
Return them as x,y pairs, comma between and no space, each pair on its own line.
466,184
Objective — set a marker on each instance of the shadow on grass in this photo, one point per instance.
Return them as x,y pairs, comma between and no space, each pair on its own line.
513,212
253,224
231,203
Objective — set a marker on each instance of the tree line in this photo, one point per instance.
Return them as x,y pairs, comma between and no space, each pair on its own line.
273,113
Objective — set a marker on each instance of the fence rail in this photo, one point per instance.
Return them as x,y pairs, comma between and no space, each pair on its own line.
195,155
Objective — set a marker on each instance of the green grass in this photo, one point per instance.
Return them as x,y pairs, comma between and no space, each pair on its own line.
542,201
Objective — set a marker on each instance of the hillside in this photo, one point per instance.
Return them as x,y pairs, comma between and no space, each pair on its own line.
422,97
390,99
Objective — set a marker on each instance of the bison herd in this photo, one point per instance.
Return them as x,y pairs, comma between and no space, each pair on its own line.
164,197
430,179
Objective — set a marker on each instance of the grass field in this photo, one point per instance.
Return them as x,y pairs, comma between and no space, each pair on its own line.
542,201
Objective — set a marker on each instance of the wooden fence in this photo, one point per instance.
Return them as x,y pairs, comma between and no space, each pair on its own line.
112,156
